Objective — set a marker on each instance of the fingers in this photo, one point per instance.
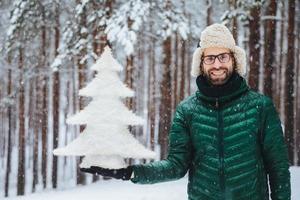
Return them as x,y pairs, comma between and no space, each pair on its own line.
98,168
123,173
103,171
88,170
97,171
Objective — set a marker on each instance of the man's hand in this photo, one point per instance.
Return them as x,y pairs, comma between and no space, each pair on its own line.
123,173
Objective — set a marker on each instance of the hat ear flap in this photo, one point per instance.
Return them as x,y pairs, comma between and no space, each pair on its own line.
240,58
195,70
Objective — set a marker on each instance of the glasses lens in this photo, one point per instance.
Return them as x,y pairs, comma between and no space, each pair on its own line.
209,60
224,57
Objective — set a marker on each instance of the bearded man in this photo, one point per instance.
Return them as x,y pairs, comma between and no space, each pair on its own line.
226,136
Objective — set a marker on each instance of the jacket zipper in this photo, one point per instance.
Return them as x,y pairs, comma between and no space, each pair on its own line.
221,150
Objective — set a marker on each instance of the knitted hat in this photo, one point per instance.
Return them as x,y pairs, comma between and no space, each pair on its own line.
218,35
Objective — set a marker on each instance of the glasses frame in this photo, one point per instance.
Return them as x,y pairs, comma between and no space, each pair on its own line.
217,56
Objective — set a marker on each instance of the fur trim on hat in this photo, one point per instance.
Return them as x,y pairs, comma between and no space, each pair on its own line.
218,35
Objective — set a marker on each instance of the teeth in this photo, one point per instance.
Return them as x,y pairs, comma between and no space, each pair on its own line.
218,72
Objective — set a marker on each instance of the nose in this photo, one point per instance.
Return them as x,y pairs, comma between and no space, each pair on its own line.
217,64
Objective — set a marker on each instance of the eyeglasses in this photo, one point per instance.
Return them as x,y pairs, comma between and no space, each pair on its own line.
222,57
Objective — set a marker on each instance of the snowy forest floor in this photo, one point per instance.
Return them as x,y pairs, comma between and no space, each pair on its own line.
125,190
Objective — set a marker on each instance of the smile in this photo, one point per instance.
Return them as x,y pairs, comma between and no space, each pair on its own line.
218,73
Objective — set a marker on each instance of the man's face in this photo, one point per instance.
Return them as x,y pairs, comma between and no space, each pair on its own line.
217,65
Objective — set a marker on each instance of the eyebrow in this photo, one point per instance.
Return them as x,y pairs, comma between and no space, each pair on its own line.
215,54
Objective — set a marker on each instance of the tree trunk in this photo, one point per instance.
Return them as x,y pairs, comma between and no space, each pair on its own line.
209,11
298,91
9,129
56,88
280,92
152,85
182,67
103,37
182,74
233,6
254,47
21,161
129,79
3,125
297,103
56,99
44,107
269,49
36,129
188,68
175,71
289,86
33,126
99,36
165,104
129,72
152,92
140,80
82,76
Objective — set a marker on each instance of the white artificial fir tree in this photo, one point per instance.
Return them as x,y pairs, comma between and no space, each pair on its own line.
106,140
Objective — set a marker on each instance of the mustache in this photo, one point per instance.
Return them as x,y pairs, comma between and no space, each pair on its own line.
220,69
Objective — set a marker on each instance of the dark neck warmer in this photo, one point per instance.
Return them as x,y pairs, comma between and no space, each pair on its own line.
216,91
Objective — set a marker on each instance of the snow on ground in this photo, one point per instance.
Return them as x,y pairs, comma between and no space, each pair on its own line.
295,179
125,190
115,190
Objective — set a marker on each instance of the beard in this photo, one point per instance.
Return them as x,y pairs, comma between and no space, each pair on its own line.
218,77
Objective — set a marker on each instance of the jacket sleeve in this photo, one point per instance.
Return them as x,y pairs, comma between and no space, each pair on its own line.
176,164
275,154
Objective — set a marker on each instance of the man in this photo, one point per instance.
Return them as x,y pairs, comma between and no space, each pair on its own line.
227,137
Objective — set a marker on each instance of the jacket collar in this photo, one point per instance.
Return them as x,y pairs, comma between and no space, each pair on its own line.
220,95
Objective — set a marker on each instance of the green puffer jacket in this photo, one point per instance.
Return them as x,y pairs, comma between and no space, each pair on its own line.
228,146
